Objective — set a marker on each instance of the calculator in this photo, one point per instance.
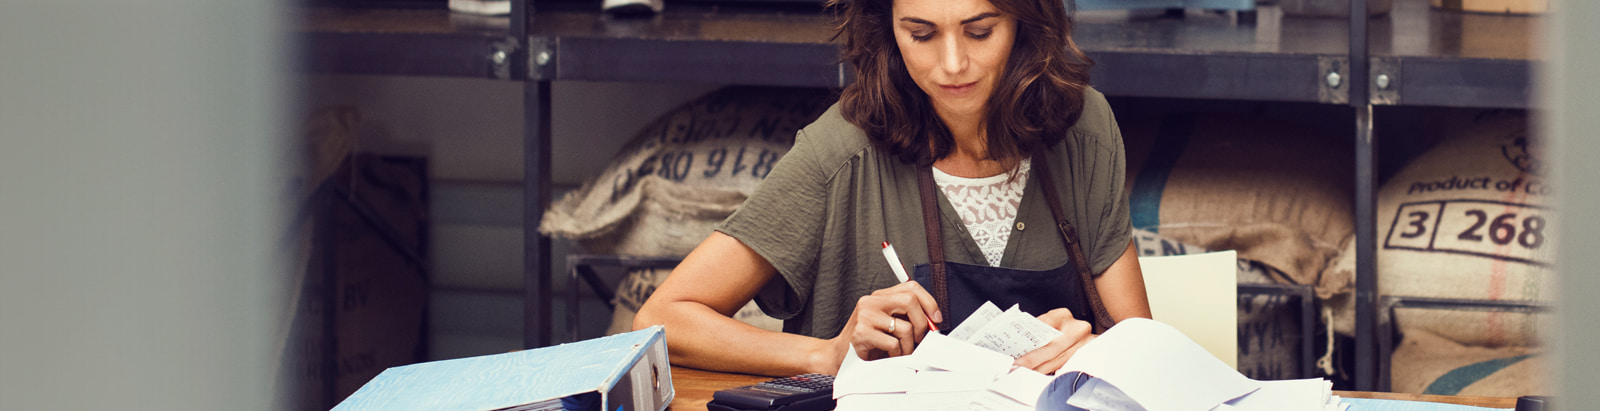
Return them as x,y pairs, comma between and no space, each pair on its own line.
805,392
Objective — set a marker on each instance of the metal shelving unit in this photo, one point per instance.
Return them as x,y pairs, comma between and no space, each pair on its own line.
410,42
1412,56
1430,57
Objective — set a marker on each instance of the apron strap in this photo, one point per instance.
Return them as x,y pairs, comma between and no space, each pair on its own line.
1069,236
930,223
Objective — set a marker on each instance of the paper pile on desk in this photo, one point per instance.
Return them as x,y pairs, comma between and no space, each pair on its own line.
1137,365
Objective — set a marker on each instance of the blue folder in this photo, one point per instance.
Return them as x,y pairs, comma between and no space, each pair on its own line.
626,372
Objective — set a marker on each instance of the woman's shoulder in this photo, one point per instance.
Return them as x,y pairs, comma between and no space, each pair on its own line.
831,140
1096,122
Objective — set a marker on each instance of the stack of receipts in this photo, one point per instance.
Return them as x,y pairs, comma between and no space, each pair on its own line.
1139,364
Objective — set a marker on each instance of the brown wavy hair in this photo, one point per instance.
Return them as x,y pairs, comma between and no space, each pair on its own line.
1038,97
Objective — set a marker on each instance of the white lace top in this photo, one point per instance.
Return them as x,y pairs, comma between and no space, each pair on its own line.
987,206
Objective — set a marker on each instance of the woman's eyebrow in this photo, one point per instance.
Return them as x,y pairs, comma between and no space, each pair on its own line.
963,22
980,17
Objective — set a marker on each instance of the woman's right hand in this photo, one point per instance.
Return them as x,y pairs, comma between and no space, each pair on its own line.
890,322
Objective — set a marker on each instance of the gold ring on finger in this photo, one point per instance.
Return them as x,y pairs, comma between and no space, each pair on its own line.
891,325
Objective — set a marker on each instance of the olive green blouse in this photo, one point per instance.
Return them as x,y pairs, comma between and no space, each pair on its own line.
821,215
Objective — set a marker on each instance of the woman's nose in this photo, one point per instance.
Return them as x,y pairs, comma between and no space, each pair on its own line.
953,58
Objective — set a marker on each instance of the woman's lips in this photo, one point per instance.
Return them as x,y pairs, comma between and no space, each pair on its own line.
959,89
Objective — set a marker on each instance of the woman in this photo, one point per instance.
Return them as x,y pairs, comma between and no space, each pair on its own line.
987,101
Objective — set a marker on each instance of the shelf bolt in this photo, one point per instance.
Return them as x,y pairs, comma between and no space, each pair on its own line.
499,57
1334,79
1383,81
542,58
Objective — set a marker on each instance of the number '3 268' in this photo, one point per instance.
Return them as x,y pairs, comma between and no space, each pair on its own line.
1500,230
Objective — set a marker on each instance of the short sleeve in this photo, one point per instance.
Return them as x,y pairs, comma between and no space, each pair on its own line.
783,222
1116,227
1104,159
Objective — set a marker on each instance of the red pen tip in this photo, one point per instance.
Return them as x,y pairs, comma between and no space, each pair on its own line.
885,244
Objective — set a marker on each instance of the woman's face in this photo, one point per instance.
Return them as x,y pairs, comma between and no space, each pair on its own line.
955,50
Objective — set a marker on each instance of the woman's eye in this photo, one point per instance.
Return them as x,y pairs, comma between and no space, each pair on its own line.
980,34
921,37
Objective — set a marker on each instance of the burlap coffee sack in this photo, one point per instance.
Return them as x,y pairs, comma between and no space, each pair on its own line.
380,294
637,286
1279,246
1337,289
1469,219
662,193
1277,193
1151,244
1429,364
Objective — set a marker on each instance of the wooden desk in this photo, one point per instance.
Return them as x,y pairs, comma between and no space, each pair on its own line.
696,386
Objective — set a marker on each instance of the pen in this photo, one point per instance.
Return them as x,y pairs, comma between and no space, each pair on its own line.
900,272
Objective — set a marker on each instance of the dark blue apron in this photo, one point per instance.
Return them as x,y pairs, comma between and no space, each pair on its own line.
961,288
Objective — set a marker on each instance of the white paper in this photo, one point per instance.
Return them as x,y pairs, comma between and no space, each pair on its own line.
870,402
975,322
937,401
1334,404
1197,294
1014,333
1158,367
1286,395
1021,385
992,401
947,381
875,380
889,375
1138,365
945,353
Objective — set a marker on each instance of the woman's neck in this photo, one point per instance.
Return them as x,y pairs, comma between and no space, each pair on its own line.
970,156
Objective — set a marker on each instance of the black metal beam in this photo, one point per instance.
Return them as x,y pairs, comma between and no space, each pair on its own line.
1241,76
1466,82
536,197
1366,192
409,54
535,185
699,61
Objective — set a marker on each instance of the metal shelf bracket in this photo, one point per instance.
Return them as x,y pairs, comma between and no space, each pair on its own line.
1333,78
1385,87
501,54
541,58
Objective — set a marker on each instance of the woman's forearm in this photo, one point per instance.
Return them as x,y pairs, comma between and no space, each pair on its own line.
696,305
702,338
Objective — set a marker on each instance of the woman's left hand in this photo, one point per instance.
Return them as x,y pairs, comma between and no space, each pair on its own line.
1049,358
